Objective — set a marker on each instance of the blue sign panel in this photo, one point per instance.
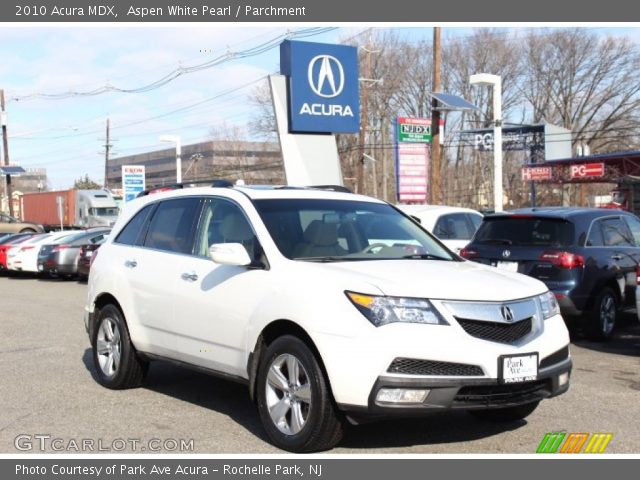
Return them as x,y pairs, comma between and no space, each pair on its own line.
324,94
133,181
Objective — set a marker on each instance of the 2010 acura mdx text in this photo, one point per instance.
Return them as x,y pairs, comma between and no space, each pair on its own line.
331,307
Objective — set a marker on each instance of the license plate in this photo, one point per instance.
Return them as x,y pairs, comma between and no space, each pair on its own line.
40,268
510,266
88,253
518,368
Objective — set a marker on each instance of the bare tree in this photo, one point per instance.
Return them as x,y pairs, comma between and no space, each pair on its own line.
588,84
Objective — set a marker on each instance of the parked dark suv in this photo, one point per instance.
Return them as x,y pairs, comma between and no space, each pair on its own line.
587,256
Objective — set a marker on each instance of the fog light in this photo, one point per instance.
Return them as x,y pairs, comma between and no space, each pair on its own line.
563,379
401,395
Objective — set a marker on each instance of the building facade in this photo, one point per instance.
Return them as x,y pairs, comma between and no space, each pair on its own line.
253,162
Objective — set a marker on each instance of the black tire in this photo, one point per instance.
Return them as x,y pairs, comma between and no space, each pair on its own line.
601,320
321,428
127,369
509,414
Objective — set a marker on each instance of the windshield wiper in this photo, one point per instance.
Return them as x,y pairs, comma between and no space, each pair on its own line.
328,259
497,241
425,256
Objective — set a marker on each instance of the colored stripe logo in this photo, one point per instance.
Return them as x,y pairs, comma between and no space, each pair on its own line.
562,442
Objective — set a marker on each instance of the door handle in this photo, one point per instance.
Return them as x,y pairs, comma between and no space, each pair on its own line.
616,257
189,277
130,263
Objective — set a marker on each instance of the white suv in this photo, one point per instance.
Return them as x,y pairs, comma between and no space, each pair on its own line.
330,306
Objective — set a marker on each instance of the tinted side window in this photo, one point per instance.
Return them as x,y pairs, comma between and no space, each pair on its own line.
172,225
129,234
615,233
453,227
224,222
476,220
634,226
595,235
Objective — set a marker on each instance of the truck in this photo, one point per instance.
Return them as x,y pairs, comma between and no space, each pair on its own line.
70,208
626,196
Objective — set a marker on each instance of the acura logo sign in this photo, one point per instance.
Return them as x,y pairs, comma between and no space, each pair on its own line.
507,313
327,81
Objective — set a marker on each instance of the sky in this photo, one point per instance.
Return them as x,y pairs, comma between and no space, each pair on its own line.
66,135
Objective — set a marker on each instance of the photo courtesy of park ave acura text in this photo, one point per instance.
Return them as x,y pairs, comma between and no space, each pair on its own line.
272,236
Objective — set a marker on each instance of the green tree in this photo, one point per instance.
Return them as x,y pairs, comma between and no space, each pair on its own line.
85,183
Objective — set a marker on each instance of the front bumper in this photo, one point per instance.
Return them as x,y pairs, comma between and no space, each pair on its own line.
464,393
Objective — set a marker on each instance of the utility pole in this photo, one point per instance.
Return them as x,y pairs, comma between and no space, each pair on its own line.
436,194
107,149
364,119
5,146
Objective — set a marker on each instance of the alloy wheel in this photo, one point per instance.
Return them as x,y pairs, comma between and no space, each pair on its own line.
109,347
288,394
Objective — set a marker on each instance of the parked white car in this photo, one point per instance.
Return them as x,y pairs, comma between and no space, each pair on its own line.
24,256
454,226
329,306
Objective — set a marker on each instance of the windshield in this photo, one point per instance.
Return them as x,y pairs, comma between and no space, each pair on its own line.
339,230
525,231
103,211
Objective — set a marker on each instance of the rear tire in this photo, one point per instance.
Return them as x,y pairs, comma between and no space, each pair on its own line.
294,401
602,317
509,414
116,361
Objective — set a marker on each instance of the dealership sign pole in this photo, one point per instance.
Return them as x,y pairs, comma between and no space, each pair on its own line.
316,96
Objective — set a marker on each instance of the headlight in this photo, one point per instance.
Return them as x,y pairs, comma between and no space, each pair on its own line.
384,310
548,305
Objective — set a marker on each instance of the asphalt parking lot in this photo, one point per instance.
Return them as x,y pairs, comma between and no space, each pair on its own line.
48,389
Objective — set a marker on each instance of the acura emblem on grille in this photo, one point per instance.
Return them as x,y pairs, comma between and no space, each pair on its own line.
507,313
506,253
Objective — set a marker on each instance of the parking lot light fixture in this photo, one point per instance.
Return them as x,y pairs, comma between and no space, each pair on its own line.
175,139
494,81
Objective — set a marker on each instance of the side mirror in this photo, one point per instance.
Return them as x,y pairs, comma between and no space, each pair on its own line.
229,254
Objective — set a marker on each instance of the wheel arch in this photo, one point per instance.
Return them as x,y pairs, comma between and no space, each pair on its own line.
271,332
99,303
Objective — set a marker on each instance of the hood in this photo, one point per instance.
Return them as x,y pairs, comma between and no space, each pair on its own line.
437,279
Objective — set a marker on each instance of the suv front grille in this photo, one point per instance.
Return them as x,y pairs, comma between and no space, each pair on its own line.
494,395
497,332
555,357
410,366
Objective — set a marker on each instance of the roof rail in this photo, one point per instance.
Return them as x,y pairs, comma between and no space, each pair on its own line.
333,188
218,183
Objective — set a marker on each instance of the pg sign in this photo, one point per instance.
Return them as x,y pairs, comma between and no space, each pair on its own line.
323,91
587,170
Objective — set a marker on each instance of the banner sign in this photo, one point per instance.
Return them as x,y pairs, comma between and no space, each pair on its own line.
537,173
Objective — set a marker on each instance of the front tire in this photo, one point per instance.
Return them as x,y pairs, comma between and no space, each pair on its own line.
509,414
294,401
116,361
602,318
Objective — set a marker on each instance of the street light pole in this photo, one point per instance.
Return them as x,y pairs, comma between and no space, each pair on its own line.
495,81
175,139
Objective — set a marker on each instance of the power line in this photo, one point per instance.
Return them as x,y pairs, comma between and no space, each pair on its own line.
180,70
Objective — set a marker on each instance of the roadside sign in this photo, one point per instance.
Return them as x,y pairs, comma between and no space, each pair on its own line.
587,170
133,181
412,174
536,173
414,130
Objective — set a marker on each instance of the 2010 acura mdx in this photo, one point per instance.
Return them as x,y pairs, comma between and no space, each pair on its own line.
330,306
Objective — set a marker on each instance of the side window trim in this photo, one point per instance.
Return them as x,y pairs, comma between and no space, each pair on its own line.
143,230
192,229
